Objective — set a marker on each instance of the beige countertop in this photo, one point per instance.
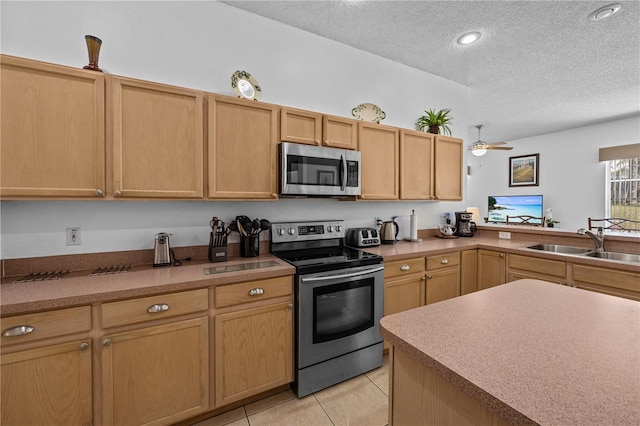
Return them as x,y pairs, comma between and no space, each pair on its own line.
142,280
533,351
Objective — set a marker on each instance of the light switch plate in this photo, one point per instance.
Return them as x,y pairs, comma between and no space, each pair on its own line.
504,235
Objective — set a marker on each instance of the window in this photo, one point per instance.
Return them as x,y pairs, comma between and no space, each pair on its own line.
623,183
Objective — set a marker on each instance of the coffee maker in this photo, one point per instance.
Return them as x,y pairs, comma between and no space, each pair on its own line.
465,227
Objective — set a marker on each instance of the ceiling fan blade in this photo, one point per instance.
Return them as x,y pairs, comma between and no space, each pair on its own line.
498,143
504,148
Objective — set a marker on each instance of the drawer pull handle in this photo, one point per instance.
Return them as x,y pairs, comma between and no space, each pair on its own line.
106,342
19,330
501,254
405,267
158,307
444,261
256,291
429,276
84,346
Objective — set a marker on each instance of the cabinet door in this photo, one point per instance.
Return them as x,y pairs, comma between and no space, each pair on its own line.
300,126
253,351
491,269
339,132
416,165
158,139
402,294
379,148
156,375
442,285
52,134
48,386
607,281
243,138
448,168
468,271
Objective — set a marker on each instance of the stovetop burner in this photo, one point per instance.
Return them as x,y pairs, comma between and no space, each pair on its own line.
317,247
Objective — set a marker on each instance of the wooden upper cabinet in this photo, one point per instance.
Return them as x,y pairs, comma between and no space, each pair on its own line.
313,128
158,139
448,168
52,134
339,132
243,146
416,165
300,126
379,149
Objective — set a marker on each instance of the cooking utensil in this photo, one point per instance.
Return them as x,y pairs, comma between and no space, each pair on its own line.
265,225
256,227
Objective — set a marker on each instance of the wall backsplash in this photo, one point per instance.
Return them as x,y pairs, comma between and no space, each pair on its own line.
38,228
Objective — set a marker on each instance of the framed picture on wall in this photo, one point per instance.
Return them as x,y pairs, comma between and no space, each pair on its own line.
524,170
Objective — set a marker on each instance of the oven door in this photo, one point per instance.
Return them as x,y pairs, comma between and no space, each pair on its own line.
315,170
338,312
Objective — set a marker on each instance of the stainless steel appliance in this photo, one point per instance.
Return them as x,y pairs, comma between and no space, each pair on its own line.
362,237
389,232
338,303
465,227
161,250
307,170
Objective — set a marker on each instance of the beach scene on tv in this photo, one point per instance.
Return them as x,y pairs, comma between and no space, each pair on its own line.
514,205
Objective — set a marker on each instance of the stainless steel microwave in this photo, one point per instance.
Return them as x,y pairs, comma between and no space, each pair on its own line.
307,170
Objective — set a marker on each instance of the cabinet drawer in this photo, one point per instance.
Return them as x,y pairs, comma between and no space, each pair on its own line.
446,260
253,291
403,267
154,307
45,324
542,266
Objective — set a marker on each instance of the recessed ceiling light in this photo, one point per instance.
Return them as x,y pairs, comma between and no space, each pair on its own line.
605,11
469,38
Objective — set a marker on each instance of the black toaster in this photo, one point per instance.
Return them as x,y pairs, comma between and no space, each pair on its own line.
362,237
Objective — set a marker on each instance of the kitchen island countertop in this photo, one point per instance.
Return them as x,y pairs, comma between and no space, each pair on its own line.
530,352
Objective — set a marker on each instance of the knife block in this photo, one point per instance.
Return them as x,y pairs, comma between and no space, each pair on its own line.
216,254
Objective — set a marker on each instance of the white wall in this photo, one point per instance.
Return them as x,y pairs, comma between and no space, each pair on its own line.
199,45
572,180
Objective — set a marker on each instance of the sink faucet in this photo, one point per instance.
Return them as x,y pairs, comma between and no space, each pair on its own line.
597,239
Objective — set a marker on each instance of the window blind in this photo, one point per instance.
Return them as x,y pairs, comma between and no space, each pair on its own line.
620,152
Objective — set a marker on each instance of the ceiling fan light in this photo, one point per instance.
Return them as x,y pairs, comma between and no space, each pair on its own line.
469,38
479,152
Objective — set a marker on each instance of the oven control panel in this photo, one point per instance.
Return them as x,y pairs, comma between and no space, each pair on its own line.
306,231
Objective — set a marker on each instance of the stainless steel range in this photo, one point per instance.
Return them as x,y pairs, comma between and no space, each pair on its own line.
339,303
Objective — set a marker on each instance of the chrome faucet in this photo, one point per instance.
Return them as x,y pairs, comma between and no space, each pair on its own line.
597,239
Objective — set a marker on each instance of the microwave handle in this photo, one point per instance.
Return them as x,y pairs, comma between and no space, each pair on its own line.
343,165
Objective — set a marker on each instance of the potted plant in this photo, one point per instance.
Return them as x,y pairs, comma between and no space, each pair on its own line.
548,218
434,120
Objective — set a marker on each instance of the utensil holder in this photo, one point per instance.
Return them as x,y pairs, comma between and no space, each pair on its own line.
249,245
216,254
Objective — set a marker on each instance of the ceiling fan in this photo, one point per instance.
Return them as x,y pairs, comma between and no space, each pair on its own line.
480,148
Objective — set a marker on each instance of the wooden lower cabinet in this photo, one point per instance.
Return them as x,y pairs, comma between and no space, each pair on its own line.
49,385
46,381
468,271
253,351
156,375
491,268
443,277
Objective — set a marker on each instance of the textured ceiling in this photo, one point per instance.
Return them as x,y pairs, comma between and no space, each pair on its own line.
540,66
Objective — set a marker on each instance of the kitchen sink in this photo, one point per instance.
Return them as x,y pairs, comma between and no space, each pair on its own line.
560,249
610,255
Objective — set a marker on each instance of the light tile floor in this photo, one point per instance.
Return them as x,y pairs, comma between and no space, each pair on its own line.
362,400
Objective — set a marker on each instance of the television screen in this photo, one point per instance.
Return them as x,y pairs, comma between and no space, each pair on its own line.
514,205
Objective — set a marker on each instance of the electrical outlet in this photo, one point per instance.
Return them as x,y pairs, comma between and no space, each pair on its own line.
504,235
73,237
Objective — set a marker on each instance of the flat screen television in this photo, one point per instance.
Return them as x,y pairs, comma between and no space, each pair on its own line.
514,205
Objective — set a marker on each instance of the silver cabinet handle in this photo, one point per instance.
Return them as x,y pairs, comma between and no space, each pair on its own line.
501,254
106,342
429,276
444,261
290,306
18,330
99,192
118,193
256,291
158,307
84,346
405,267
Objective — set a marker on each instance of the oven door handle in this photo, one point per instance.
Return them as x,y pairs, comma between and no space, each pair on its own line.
347,275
